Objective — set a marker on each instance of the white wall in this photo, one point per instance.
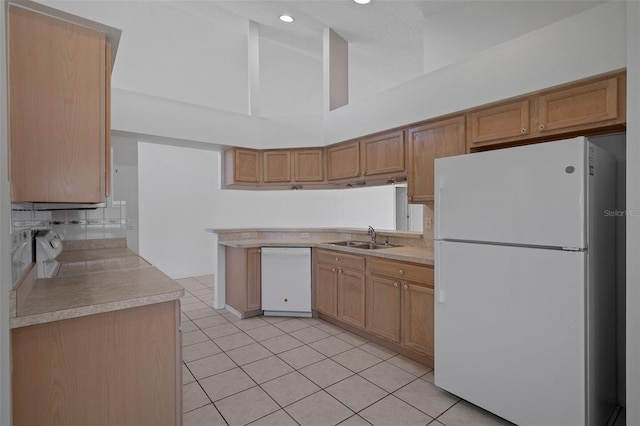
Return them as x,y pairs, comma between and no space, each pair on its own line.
590,43
5,237
179,196
175,205
633,222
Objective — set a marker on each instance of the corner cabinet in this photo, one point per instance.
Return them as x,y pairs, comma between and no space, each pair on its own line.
58,91
241,166
442,138
243,287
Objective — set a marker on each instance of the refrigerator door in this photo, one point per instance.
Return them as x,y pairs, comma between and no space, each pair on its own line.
510,330
530,195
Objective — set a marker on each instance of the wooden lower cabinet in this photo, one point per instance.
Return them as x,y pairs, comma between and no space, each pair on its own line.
326,290
351,297
417,317
390,302
339,286
243,283
121,367
383,307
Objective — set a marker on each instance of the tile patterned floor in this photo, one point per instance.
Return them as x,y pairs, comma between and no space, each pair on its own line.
301,371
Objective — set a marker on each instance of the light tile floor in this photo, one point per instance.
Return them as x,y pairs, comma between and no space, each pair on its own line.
301,371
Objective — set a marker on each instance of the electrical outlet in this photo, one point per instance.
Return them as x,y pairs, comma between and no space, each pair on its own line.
305,235
246,235
428,223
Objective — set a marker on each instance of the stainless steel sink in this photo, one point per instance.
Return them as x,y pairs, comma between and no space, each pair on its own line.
364,245
349,243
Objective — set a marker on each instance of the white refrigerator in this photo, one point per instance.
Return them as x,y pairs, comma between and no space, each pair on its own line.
525,282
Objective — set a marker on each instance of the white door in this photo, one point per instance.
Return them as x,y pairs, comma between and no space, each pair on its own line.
509,330
531,195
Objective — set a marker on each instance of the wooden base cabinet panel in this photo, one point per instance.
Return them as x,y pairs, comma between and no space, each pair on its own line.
105,369
326,289
417,318
243,281
383,307
351,297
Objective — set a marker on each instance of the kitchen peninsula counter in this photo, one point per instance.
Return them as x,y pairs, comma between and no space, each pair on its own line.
411,246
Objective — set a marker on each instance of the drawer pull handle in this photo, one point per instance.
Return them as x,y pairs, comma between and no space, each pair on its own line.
395,285
401,271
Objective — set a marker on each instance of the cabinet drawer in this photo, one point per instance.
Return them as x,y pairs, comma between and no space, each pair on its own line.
402,271
340,259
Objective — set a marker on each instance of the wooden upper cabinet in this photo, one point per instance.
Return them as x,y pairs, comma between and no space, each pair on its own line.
383,154
242,166
582,106
499,123
308,165
427,142
57,107
276,166
343,161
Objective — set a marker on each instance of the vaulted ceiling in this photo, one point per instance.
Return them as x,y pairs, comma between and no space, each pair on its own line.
196,52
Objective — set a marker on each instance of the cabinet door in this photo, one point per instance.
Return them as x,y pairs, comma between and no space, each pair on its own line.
343,161
57,103
276,166
325,287
417,317
383,154
499,123
383,307
246,166
254,282
426,143
308,165
580,107
351,297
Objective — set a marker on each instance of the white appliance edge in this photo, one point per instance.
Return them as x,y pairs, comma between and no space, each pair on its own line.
523,328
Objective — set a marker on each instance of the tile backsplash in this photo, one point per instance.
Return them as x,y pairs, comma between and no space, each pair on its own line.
106,222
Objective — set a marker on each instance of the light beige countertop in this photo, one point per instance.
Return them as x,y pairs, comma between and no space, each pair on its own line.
412,247
115,278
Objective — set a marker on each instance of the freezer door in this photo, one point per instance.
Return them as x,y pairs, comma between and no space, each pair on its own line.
510,331
531,195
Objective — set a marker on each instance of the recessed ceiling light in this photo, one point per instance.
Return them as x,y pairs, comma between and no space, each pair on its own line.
362,1
286,18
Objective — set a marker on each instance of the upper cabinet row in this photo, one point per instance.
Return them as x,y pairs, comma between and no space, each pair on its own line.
377,157
587,107
59,87
598,104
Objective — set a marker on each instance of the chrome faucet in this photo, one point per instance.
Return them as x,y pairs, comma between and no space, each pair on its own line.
372,233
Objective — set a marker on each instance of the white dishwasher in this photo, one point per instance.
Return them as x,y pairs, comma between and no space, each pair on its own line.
286,281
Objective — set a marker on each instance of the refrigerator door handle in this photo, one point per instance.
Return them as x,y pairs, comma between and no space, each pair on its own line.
440,291
438,202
